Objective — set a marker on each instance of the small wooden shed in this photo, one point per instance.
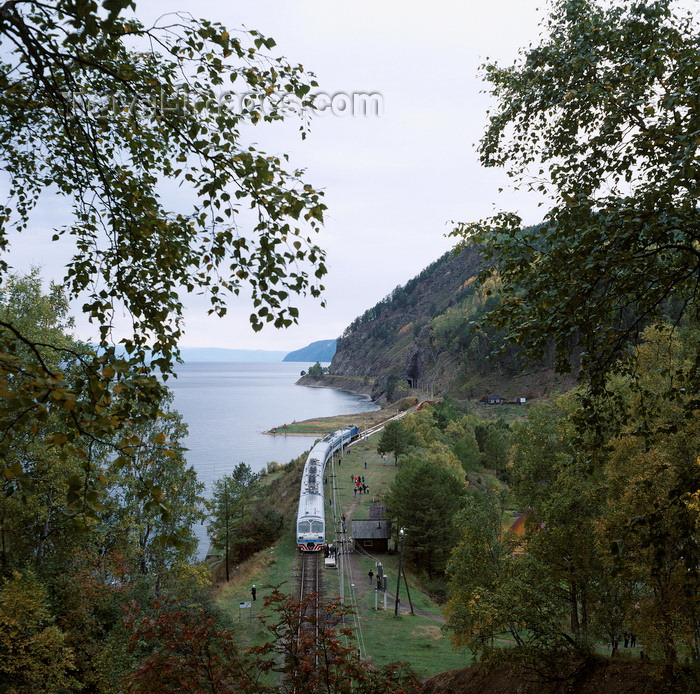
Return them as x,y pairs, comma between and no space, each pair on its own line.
372,535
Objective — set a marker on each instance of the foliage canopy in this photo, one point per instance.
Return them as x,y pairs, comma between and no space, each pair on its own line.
101,109
111,114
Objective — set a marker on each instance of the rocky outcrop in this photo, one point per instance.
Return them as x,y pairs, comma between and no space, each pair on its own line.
422,337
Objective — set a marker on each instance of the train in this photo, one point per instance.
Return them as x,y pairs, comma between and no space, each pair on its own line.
311,515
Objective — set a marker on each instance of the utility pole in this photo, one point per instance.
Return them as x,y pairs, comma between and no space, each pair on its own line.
226,525
402,535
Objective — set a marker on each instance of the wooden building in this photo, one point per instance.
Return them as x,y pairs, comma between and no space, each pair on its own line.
372,535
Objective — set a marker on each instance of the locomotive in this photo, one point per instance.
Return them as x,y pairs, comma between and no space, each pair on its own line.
311,516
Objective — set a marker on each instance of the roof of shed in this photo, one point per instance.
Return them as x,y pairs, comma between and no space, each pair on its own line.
371,529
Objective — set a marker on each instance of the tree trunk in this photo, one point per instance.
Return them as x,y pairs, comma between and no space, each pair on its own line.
4,542
584,612
43,534
515,634
143,543
573,598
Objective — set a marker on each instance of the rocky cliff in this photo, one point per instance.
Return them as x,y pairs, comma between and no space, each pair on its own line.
429,335
391,347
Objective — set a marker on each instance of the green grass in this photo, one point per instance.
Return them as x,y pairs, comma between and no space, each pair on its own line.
271,567
418,639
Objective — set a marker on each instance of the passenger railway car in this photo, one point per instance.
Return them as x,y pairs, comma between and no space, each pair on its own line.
311,516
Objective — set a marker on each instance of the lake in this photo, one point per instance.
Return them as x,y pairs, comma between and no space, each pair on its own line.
227,406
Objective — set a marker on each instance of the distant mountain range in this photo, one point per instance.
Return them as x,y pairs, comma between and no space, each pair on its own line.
323,350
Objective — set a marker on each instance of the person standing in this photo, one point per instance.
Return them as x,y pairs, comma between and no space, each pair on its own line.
253,592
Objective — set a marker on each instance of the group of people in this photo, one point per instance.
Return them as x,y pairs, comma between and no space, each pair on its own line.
629,640
360,486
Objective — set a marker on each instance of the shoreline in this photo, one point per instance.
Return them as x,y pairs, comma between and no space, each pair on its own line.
280,431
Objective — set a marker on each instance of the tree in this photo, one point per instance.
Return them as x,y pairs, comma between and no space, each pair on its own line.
475,573
395,438
563,496
495,446
425,498
423,427
438,454
649,521
316,371
51,475
610,543
103,110
35,657
310,649
181,648
601,117
37,474
70,572
104,107
232,499
158,544
91,588
467,450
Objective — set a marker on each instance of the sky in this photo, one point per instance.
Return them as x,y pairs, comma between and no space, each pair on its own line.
393,182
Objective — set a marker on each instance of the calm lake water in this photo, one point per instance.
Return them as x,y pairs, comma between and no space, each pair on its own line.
227,406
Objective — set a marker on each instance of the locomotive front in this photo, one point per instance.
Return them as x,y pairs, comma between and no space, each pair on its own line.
310,533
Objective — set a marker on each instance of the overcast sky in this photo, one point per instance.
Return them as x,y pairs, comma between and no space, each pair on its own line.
392,182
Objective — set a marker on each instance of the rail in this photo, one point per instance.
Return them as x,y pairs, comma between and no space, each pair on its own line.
378,427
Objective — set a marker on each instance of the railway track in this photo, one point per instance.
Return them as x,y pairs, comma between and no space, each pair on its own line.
310,590
378,427
309,579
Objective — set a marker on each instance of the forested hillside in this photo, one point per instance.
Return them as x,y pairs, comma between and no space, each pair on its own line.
428,334
321,350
